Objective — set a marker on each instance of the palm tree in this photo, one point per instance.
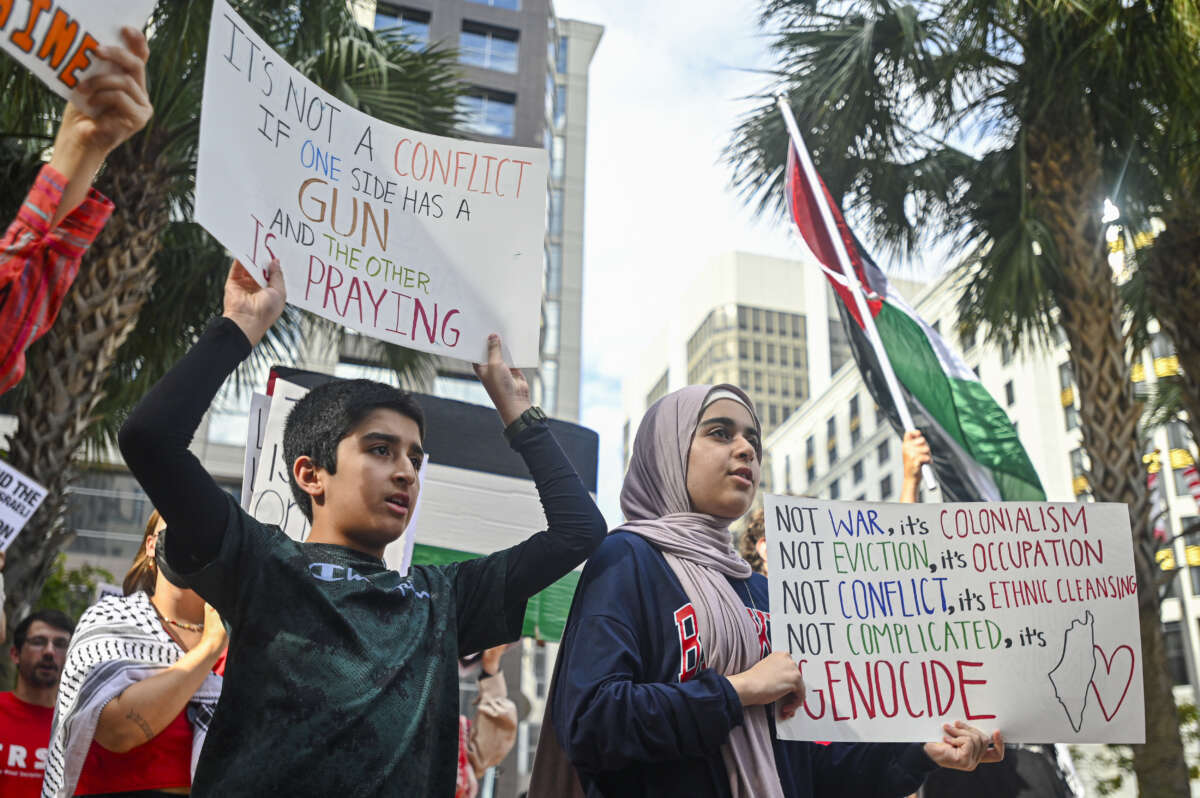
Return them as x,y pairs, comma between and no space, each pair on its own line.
999,128
153,277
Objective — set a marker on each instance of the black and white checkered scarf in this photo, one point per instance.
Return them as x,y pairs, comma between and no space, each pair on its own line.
118,642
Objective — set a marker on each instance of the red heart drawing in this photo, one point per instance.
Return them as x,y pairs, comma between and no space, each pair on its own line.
1108,716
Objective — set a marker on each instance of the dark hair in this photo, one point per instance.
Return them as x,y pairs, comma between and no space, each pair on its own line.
142,574
327,414
59,620
755,530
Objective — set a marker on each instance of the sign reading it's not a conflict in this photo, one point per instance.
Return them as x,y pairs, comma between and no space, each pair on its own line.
1020,617
424,241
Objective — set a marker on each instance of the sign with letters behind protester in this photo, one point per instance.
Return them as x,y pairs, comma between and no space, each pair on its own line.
1016,616
20,497
56,39
427,242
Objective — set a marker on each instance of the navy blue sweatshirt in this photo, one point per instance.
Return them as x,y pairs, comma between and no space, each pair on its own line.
639,716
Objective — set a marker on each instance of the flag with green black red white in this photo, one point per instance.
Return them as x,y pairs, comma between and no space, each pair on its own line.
977,455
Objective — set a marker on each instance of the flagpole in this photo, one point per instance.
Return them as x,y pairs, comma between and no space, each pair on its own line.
854,285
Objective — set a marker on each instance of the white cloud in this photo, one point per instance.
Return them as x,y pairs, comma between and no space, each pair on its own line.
665,92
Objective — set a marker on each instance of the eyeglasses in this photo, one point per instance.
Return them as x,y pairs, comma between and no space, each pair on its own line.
59,643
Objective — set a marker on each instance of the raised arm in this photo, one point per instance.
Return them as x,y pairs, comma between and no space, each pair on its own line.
40,253
575,526
155,438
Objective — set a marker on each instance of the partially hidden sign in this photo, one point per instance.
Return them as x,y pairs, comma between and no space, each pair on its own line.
428,242
1020,617
20,497
56,39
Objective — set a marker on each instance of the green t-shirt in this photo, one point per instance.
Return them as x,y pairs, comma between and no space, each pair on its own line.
342,676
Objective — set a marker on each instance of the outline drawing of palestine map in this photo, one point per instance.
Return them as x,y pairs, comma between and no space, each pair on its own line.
1072,676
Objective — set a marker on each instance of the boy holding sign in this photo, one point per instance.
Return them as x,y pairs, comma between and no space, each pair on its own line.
342,676
63,214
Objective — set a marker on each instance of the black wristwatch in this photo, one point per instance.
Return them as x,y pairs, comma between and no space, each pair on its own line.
533,415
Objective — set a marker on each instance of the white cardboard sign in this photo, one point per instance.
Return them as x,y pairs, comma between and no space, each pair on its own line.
428,242
20,497
1015,616
256,426
56,39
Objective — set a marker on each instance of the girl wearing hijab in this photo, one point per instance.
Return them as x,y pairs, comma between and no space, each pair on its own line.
665,680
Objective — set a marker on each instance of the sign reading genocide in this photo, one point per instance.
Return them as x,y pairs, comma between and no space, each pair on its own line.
20,497
56,39
1013,616
427,242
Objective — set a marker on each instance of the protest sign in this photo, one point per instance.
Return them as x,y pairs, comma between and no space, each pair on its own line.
1014,616
56,39
260,405
427,242
20,496
271,498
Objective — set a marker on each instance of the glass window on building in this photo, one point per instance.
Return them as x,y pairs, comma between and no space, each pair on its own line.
1070,417
1160,346
772,414
857,472
883,451
512,5
549,372
488,47
1006,352
554,269
743,348
463,389
758,382
561,65
835,490
488,113
556,212
550,329
558,158
744,379
1176,659
1010,393
758,351
885,488
771,353
797,325
756,319
799,389
810,458
1177,435
772,384
410,21
560,106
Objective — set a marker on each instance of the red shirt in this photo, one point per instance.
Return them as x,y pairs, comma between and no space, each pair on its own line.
24,736
38,265
161,763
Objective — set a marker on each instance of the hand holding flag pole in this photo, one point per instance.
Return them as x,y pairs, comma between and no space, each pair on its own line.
849,278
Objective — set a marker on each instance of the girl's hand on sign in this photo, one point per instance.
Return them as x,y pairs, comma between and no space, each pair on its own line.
963,747
773,677
506,386
252,307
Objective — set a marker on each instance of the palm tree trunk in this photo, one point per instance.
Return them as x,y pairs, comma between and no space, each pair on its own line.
67,367
1172,267
1064,174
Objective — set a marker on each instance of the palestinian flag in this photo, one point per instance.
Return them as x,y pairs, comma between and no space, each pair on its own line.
976,453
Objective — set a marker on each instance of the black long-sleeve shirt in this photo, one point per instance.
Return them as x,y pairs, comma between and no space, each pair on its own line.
342,676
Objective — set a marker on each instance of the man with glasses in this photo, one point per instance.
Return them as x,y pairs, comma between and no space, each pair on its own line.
39,650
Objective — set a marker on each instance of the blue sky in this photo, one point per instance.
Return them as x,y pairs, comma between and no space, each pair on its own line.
666,89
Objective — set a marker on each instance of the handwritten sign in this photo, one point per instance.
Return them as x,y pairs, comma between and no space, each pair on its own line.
427,242
1013,616
256,426
20,497
56,39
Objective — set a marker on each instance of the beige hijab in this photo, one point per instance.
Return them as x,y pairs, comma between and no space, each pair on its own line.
699,549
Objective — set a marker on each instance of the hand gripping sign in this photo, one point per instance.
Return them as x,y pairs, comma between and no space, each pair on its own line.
1013,616
427,242
55,39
